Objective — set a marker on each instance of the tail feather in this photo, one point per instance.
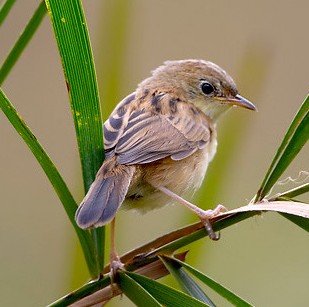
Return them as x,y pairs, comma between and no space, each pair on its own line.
105,195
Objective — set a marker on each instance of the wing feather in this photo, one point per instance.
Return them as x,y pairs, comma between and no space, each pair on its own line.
105,195
146,135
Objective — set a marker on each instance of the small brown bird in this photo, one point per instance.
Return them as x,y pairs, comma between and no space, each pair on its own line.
159,141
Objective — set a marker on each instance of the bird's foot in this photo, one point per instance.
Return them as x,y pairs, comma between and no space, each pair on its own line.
115,266
206,215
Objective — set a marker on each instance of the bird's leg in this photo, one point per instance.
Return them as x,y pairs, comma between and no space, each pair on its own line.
115,263
204,215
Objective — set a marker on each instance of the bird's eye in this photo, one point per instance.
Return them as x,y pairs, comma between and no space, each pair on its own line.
207,88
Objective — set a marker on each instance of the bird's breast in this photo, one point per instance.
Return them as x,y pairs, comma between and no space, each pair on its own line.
183,177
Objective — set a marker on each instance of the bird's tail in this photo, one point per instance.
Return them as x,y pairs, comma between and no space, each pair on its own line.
105,195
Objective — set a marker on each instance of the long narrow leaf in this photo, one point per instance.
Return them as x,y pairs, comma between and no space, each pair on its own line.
5,9
165,295
304,188
22,41
295,138
74,46
224,292
84,292
135,292
299,221
187,284
53,175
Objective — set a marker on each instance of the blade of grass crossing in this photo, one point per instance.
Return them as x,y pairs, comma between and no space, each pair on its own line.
135,292
22,41
230,296
187,284
165,295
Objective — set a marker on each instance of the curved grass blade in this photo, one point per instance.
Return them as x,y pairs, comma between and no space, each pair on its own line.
73,41
295,138
187,284
165,295
53,175
135,292
5,9
22,41
224,292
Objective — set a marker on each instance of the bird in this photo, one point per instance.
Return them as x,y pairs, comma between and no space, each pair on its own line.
158,143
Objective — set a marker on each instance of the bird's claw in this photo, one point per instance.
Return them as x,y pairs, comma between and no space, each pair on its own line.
115,266
206,216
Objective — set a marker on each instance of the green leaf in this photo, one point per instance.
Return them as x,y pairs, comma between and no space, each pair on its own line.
5,9
224,292
298,220
135,292
73,41
295,138
82,292
187,284
53,175
74,47
23,40
165,295
293,193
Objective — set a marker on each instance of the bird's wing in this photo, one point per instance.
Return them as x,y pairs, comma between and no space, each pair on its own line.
146,136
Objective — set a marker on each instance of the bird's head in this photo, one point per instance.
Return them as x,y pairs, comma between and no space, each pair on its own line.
202,83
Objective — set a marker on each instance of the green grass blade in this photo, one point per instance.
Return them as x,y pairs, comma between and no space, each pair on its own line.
165,295
53,175
82,292
295,138
224,292
187,284
74,47
298,220
5,9
304,188
135,292
22,41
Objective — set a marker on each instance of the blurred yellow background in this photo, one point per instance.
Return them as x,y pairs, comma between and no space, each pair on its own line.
264,45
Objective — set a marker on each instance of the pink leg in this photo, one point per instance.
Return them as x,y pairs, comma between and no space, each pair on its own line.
204,215
115,263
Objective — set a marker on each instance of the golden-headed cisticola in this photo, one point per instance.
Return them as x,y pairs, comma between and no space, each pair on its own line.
159,141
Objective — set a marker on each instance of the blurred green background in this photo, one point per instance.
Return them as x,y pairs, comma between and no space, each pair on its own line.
264,45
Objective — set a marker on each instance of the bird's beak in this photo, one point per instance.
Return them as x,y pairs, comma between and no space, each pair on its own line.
239,101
